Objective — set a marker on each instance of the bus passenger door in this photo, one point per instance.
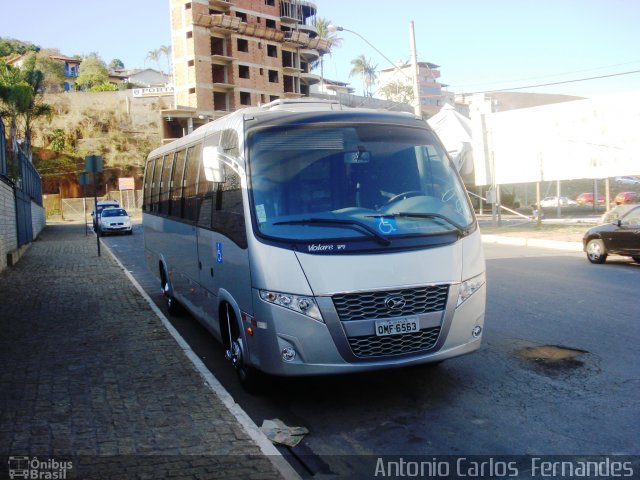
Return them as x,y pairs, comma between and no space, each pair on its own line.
222,247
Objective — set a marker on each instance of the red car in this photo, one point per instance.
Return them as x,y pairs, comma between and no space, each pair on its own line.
587,199
627,197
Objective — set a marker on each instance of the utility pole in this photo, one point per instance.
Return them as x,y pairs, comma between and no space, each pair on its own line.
414,62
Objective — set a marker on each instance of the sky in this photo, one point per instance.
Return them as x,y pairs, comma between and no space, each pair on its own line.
479,45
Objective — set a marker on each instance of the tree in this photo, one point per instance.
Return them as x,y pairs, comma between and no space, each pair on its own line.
35,108
14,96
10,47
21,93
398,91
53,70
93,71
361,66
58,141
116,64
154,56
322,27
166,51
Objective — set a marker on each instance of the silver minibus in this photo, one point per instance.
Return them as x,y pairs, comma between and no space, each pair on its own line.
311,238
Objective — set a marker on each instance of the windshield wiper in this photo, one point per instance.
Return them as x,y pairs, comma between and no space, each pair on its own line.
462,230
355,224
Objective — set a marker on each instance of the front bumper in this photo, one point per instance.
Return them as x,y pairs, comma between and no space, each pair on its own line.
328,348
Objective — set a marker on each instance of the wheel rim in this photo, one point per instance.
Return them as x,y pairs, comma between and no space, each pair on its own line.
593,250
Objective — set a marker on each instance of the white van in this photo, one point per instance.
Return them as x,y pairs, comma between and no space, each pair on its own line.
314,239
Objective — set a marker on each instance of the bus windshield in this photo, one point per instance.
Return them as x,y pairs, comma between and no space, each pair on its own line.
314,182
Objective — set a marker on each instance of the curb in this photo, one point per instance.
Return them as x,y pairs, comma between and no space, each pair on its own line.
533,242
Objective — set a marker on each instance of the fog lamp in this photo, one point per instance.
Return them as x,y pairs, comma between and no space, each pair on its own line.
288,354
477,331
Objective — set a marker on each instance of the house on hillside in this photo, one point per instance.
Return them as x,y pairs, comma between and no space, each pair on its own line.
147,77
71,67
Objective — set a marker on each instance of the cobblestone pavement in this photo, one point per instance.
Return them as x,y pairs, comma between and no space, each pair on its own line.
89,373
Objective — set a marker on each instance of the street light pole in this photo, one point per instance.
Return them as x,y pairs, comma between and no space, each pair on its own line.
413,78
414,61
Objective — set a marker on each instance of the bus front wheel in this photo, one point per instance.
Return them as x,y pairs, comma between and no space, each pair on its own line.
249,377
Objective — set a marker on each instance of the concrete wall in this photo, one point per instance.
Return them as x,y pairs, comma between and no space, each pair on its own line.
8,231
38,219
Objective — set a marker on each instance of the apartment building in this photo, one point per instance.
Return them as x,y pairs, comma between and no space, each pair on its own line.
228,54
432,97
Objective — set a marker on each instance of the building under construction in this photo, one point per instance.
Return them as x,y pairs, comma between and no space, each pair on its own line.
228,54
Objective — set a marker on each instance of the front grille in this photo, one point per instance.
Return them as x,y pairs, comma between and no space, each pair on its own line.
374,346
361,306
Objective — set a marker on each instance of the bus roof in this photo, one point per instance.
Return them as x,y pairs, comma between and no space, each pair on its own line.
302,109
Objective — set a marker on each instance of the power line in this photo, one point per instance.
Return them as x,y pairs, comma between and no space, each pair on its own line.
459,87
553,83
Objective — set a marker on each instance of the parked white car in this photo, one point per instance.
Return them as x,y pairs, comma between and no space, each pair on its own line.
628,180
551,202
114,220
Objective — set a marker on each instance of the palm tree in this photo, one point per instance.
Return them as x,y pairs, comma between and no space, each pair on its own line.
15,95
166,51
21,94
332,38
35,108
361,66
154,56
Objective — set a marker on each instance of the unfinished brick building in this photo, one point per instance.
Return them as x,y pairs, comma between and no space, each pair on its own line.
228,54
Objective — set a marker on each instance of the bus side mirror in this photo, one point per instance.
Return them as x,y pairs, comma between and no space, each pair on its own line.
212,160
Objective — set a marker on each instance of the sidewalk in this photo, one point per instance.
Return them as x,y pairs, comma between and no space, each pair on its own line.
89,374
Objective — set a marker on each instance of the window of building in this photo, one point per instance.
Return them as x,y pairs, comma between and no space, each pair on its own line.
273,98
243,45
271,3
272,51
217,46
243,71
273,76
270,23
242,16
220,101
219,73
245,98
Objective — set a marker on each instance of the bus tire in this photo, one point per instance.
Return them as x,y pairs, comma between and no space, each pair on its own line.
173,307
250,378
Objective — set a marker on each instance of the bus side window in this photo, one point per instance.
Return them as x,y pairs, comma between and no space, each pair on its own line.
194,159
228,214
155,187
148,181
205,195
176,184
165,183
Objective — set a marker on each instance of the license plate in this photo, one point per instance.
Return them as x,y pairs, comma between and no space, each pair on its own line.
397,327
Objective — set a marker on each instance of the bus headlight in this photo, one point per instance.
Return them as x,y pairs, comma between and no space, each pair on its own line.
469,287
304,305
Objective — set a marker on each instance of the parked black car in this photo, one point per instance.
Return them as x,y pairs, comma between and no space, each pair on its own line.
621,237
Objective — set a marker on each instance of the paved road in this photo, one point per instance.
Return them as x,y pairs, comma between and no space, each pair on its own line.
512,397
